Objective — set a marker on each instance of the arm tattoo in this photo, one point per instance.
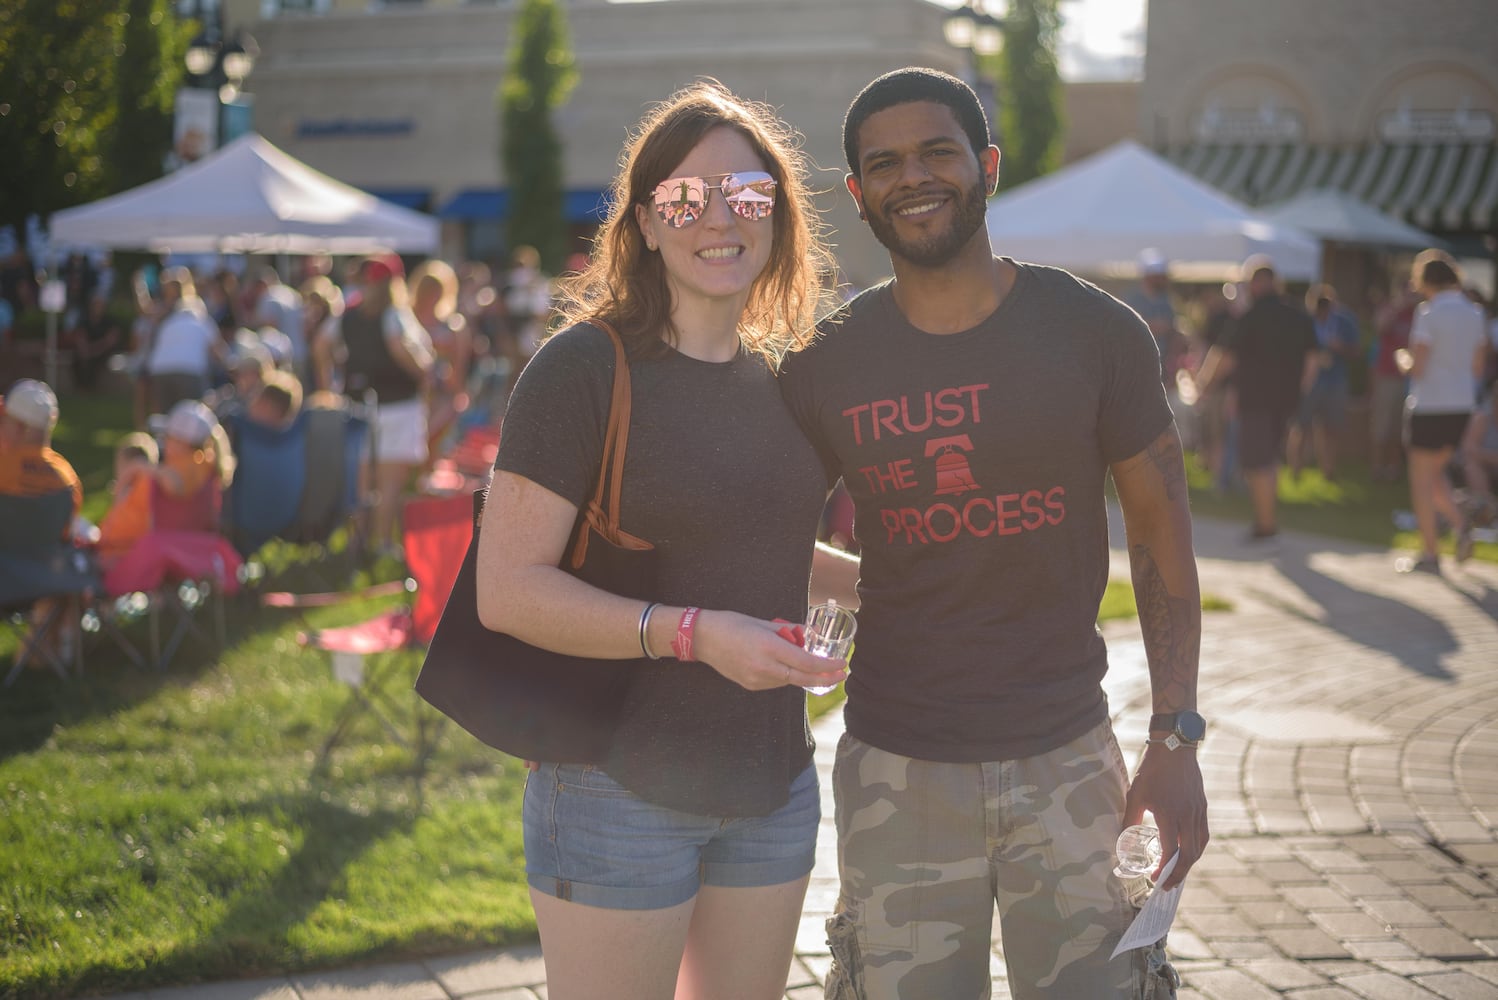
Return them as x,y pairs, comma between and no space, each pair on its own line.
1172,632
1165,454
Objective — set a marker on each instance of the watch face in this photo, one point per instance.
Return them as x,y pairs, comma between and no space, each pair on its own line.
1191,726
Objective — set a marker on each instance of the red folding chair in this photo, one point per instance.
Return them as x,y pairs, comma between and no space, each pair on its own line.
468,465
436,536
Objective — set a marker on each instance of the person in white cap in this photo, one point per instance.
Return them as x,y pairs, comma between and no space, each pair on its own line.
30,468
28,465
196,452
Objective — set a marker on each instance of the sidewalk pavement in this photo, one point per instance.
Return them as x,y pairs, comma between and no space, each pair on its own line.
1351,770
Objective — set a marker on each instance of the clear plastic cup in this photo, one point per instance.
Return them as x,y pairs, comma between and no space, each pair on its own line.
829,633
1138,851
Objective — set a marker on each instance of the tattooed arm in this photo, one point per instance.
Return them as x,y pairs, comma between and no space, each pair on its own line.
1152,491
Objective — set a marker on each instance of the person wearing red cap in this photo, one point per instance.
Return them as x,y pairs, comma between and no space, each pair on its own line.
386,352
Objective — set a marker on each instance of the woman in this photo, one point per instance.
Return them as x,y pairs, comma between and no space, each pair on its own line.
434,301
322,305
710,769
1448,348
183,346
387,352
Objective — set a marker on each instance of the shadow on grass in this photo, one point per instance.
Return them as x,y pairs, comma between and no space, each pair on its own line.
254,936
40,702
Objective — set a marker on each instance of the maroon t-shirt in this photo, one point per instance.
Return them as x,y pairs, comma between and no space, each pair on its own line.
976,463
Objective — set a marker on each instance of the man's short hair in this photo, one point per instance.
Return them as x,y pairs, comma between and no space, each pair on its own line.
1257,266
282,391
915,83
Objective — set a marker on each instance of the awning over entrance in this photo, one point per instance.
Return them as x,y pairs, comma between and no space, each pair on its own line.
578,206
1450,187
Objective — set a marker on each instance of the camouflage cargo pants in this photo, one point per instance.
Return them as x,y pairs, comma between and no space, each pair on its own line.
926,850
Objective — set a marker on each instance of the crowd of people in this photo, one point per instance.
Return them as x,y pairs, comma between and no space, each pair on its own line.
1262,382
431,356
972,408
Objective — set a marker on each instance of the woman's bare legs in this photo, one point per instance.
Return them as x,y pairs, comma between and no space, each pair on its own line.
592,952
727,944
1430,494
741,942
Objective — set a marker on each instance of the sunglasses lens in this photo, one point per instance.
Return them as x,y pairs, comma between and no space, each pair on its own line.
751,194
680,201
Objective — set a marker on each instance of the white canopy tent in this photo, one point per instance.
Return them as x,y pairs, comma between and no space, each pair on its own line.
1338,217
248,197
1097,215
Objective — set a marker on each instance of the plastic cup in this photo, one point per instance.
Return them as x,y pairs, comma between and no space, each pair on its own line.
1138,851
829,633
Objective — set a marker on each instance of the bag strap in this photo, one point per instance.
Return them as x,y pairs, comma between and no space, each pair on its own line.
602,513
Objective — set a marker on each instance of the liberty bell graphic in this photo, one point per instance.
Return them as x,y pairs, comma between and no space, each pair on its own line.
953,474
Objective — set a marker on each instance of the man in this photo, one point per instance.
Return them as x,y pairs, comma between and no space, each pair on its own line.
1387,385
1151,300
973,407
1324,406
1271,353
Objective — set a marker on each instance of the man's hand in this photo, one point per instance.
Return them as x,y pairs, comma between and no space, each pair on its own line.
1169,786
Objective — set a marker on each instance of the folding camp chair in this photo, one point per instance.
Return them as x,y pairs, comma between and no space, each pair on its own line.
40,570
468,466
299,483
179,566
436,536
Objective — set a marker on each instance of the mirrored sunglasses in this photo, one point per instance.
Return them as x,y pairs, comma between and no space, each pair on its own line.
681,201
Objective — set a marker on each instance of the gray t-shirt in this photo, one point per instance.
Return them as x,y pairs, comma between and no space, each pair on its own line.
719,477
976,463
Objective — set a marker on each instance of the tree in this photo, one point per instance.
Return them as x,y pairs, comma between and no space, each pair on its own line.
145,91
65,67
538,77
1029,92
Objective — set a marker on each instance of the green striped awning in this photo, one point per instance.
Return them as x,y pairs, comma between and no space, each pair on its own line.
1450,187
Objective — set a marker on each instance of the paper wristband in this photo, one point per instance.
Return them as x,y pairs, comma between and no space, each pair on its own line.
681,646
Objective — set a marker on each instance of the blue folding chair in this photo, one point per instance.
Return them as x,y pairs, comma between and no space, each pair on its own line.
39,568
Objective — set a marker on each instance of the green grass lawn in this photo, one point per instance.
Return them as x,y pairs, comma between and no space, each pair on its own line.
170,828
1350,507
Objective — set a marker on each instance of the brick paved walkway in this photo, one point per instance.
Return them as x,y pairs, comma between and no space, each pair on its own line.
1352,771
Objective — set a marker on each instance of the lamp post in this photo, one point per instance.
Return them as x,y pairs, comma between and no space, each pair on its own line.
971,28
213,88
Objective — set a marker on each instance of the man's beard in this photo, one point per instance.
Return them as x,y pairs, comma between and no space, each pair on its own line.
971,212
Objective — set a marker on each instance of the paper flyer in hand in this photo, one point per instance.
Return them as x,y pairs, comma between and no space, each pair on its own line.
1155,917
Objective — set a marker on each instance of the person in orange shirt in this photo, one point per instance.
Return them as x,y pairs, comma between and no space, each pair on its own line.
28,465
30,468
129,516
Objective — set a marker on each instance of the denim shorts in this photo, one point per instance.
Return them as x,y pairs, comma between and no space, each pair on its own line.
590,840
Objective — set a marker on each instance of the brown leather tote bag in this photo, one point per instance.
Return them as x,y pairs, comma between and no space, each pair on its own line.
527,701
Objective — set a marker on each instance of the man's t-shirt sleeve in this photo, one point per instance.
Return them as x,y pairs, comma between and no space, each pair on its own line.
1133,410
796,379
553,428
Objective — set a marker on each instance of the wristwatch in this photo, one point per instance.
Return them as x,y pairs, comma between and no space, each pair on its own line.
1186,729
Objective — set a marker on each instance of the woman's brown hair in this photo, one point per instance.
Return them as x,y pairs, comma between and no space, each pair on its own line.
625,284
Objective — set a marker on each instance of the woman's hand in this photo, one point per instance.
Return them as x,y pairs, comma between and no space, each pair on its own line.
754,655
